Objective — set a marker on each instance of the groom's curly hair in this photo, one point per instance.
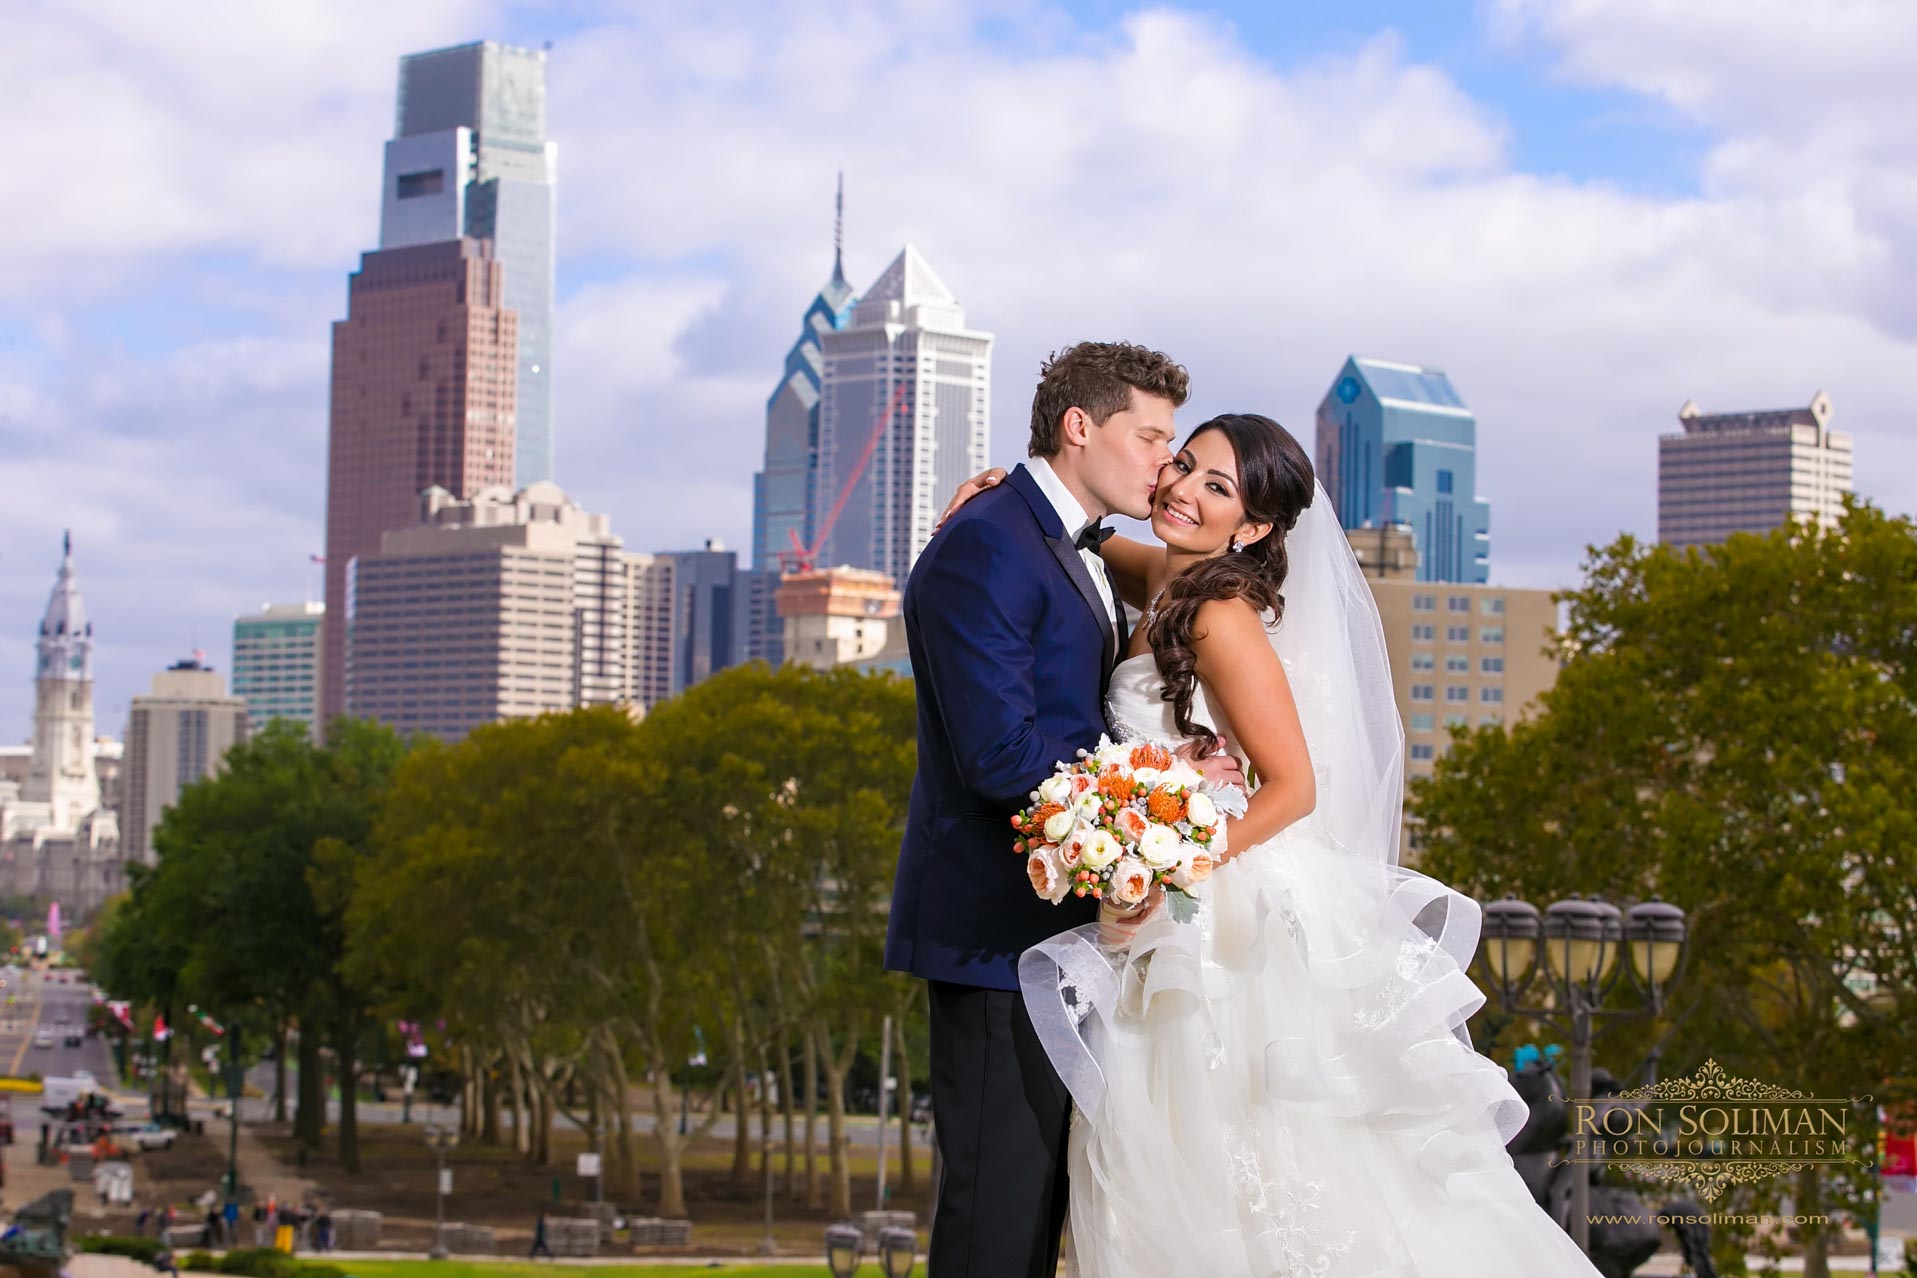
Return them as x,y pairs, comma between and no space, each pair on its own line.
1099,377
1276,484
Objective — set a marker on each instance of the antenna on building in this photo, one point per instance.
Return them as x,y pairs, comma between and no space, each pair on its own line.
838,235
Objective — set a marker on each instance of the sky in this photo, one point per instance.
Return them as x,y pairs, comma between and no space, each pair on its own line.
1585,211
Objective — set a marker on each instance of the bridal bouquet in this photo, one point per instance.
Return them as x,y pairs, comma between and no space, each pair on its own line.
1118,821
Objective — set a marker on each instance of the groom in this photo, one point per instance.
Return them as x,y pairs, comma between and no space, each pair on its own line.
1014,628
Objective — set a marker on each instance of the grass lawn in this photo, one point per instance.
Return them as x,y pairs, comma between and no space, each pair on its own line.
522,1269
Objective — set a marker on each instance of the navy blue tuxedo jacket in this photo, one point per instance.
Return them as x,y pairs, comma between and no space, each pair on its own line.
1011,651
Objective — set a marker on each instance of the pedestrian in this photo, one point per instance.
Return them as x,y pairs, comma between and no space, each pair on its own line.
259,1224
323,1230
287,1221
539,1239
213,1231
164,1262
139,1221
230,1222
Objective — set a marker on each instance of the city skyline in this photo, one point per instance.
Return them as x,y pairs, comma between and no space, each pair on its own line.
1584,219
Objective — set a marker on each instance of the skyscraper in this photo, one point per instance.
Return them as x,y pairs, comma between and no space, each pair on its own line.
469,157
711,613
422,396
276,662
1396,445
502,606
1750,472
176,734
783,493
904,417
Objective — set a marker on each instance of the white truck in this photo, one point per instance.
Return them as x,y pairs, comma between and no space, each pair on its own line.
60,1092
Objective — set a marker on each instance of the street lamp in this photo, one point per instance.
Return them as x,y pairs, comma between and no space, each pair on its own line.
439,1140
1577,944
843,1243
898,1251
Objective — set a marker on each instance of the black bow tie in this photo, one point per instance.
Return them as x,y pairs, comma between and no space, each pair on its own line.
1093,537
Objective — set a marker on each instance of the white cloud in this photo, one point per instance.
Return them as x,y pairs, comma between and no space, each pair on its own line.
1155,181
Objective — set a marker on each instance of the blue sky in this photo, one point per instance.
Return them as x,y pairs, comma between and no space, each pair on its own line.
1585,212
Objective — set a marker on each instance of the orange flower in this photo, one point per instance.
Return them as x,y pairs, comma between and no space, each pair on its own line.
1151,756
1115,784
1166,805
1041,814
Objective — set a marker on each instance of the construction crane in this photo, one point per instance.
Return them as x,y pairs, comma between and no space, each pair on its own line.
803,558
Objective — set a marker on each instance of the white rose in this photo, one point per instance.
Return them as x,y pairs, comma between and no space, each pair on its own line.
1182,773
1055,789
1196,869
1047,875
1200,810
1131,882
1058,825
1114,756
1101,849
1090,806
1146,776
1159,847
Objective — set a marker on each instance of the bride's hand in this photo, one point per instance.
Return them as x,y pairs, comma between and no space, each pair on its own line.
1220,769
970,489
1117,925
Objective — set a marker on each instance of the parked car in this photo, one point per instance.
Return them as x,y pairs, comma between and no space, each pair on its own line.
153,1136
74,1038
43,1038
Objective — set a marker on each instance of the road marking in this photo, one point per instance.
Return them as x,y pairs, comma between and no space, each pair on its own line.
27,1041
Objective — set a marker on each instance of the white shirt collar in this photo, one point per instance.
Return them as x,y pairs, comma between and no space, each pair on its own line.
1070,513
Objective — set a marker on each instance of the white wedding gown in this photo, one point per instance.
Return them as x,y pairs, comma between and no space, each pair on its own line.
1277,1079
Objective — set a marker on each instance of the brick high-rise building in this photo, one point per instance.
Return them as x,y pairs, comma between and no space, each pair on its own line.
423,394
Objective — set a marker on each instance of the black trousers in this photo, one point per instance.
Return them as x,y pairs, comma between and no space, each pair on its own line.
1000,1116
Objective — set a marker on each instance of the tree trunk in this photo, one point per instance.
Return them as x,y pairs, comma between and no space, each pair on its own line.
1815,1236
279,1070
672,1183
347,1050
838,1141
812,1199
908,1183
486,1121
516,1090
785,1111
309,1119
629,1186
741,1124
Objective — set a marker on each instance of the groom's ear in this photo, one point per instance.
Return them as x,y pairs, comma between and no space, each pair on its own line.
1074,427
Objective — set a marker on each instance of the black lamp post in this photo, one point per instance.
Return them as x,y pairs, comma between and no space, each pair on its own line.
898,1251
843,1243
1580,940
439,1140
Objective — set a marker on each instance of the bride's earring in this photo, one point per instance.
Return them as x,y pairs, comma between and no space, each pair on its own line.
1236,545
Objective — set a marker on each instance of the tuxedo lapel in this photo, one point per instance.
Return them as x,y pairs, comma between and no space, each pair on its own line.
1074,564
1071,561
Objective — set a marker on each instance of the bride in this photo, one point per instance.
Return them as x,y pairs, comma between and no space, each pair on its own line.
1276,1077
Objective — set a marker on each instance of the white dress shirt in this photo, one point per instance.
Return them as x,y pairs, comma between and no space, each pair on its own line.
1073,516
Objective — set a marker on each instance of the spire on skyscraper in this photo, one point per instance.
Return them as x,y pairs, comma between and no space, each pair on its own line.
838,236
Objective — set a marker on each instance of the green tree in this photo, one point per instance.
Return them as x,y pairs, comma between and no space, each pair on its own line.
1734,729
241,913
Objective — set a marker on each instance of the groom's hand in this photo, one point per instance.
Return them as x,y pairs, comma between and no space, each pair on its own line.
1219,768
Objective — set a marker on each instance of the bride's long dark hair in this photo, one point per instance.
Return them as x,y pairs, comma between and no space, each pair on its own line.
1275,482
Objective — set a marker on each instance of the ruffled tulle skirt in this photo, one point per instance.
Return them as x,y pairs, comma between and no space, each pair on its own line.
1278,1080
